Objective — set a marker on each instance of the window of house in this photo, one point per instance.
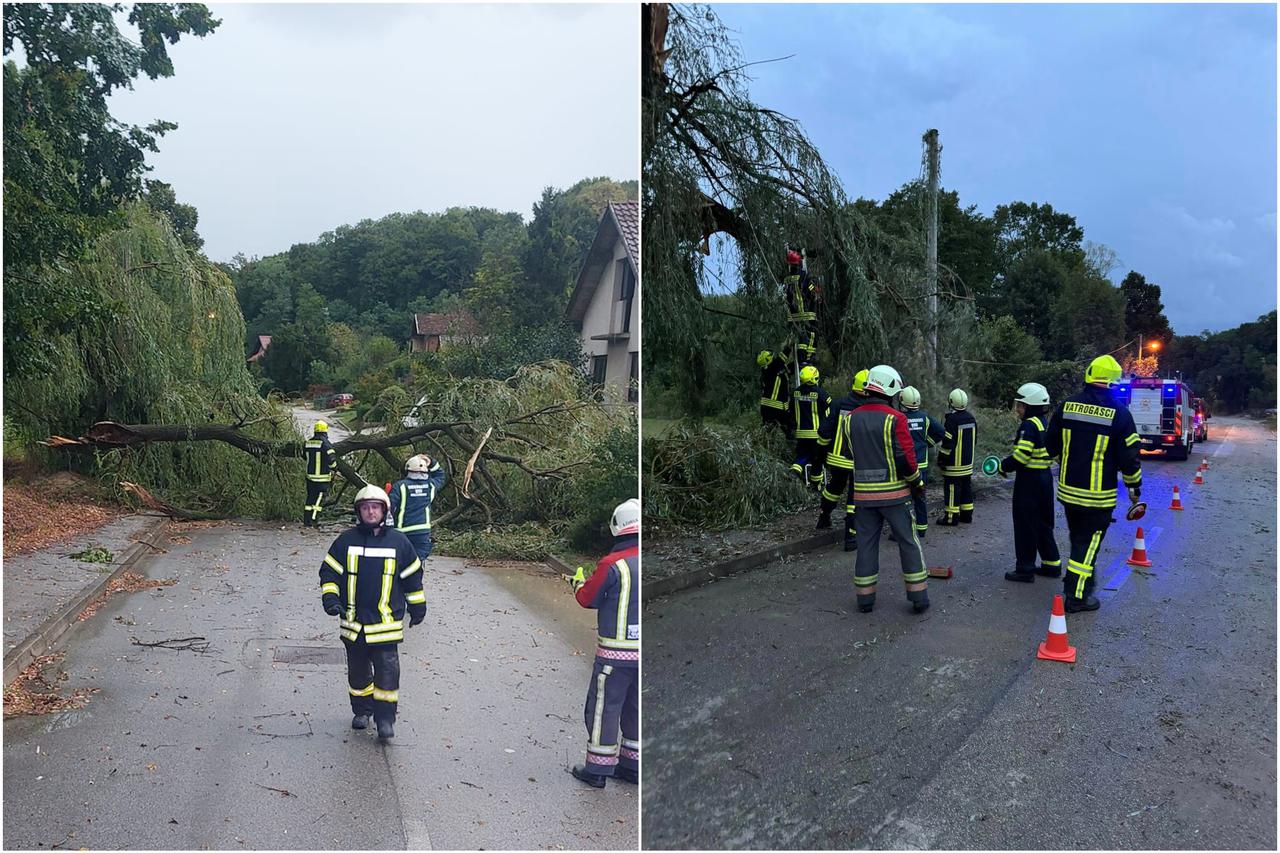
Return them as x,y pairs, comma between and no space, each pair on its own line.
625,288
598,365
633,389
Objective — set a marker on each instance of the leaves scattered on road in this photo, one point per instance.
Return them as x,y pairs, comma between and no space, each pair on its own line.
32,694
127,582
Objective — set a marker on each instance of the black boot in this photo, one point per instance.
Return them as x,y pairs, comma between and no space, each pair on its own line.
1049,571
1020,576
966,516
386,729
920,606
1080,605
947,521
582,774
851,543
866,603
360,721
625,774
824,520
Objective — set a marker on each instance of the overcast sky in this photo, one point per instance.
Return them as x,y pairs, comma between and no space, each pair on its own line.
1155,126
294,119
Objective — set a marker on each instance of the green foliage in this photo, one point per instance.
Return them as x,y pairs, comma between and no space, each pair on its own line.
184,218
1234,370
1004,341
715,477
1143,310
528,541
593,491
93,554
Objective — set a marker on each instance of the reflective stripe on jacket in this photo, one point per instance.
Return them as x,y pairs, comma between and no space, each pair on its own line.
1094,440
959,443
925,433
811,406
411,500
613,591
321,460
1028,448
881,453
375,579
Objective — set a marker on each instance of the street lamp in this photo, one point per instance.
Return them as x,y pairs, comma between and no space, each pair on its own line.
1153,346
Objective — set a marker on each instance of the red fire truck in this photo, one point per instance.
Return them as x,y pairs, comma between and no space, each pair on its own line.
1162,411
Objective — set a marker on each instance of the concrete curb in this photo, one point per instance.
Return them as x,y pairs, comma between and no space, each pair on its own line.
44,639
747,562
558,565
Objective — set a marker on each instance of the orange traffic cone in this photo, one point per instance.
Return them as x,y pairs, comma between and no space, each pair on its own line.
1139,557
1055,645
1205,463
1177,501
1199,480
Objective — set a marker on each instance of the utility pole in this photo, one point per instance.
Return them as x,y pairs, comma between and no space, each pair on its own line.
931,243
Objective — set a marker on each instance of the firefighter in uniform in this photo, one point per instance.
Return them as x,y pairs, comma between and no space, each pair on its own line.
884,476
371,579
411,501
1093,438
613,696
802,315
837,485
1032,490
926,432
959,442
321,460
810,405
775,388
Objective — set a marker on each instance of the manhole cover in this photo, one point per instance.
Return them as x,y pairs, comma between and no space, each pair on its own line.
310,654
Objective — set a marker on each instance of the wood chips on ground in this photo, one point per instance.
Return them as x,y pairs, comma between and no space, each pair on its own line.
32,694
127,582
37,518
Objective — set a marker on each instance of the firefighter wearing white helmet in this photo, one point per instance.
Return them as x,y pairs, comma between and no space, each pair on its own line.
879,445
371,579
1032,489
321,460
959,443
1093,437
775,388
612,711
926,434
810,406
411,500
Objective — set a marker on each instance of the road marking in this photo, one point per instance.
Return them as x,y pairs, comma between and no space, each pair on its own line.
1121,570
412,823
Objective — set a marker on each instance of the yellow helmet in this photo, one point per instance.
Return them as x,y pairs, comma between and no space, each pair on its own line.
860,381
764,357
321,426
809,375
1103,370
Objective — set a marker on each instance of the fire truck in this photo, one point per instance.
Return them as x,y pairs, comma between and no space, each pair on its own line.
1162,411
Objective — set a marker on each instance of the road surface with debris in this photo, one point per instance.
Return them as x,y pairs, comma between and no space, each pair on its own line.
777,715
234,733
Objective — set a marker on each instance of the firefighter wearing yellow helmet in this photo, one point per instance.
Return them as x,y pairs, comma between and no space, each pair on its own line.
1093,438
959,444
321,460
775,388
1032,490
810,406
838,463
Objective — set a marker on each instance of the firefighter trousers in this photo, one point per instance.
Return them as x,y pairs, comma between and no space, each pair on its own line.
373,677
770,415
837,488
422,544
1033,521
869,522
613,709
1087,527
958,492
919,506
315,496
809,456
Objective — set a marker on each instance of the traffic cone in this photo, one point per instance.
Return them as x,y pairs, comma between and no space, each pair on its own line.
1177,501
1199,480
1139,557
1055,645
1205,463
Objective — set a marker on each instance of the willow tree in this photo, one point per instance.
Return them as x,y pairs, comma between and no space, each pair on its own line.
717,163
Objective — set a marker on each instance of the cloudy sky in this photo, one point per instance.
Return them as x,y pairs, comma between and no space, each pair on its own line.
1155,126
294,119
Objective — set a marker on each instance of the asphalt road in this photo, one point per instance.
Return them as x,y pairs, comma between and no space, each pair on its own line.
305,419
776,715
194,750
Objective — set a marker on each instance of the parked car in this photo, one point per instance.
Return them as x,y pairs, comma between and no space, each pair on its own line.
341,400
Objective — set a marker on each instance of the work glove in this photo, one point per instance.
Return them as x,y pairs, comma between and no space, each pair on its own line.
333,609
415,618
577,580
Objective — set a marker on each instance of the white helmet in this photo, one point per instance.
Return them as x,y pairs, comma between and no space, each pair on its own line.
1033,394
418,464
910,397
883,379
626,518
372,493
958,399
